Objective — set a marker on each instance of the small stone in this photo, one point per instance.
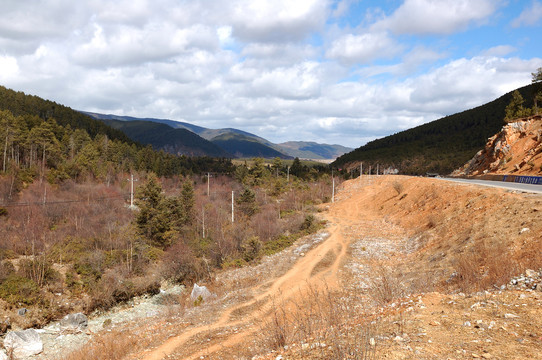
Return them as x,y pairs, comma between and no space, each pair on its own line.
510,316
476,356
524,230
22,311
434,323
491,325
74,322
487,356
305,346
278,357
398,338
372,342
467,323
531,273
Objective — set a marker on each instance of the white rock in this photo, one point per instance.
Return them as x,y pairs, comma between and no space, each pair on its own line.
74,322
198,291
3,355
531,273
510,316
23,343
524,230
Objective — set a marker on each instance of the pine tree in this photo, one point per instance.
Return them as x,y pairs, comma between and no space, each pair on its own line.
515,108
153,220
537,88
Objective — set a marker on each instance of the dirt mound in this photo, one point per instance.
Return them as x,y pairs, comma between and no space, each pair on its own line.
516,149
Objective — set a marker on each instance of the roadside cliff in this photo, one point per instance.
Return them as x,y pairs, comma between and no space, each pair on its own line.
516,149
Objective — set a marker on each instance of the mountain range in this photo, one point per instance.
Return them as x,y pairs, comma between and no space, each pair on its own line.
187,139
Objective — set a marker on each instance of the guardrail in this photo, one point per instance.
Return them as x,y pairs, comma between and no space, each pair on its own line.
523,179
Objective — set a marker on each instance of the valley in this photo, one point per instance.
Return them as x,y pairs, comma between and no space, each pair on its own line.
407,268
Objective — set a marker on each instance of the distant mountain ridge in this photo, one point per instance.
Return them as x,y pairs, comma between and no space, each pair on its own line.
232,142
313,150
163,137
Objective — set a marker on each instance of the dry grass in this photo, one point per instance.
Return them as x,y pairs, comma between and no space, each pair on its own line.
320,324
386,285
112,346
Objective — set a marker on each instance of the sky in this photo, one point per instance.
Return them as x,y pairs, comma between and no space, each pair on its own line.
331,71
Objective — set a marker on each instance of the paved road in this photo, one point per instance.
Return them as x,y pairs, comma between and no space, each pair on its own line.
501,184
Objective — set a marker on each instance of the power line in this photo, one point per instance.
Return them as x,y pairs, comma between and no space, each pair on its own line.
117,197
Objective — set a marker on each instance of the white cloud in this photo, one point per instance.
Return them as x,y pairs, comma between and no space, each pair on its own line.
9,68
530,16
155,42
363,48
279,20
466,83
282,69
297,82
500,50
437,16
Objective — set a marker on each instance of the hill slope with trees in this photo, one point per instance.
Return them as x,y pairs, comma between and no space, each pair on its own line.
163,137
439,146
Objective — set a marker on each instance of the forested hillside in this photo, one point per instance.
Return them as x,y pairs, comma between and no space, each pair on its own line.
41,139
69,241
245,147
178,141
439,146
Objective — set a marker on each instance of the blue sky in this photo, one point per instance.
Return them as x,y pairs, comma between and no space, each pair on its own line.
341,72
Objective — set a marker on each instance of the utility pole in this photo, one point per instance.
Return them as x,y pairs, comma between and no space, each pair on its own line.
288,176
232,218
377,165
132,190
208,188
332,187
203,222
360,171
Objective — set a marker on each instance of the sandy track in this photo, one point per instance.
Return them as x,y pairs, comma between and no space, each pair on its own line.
317,268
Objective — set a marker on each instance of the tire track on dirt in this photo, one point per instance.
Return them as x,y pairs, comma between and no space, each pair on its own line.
319,265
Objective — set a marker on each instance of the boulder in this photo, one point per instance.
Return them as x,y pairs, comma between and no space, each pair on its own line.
23,343
74,322
198,291
22,311
3,355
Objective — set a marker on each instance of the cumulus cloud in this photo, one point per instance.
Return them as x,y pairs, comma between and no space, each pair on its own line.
363,48
437,16
297,82
279,20
285,70
529,16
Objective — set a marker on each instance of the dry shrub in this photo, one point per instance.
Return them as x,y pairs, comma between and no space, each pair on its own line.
112,346
484,265
323,322
117,286
180,265
386,286
398,187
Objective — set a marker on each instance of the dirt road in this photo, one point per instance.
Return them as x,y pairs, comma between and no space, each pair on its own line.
318,267
426,231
